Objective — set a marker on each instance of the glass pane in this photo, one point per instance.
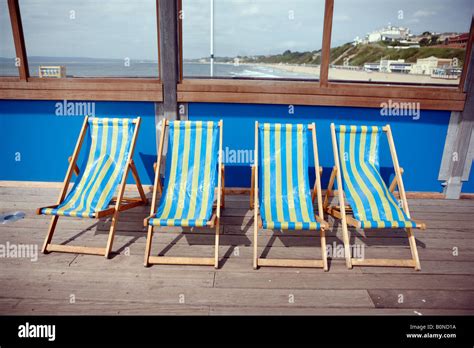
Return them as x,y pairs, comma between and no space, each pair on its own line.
253,38
404,41
7,47
90,38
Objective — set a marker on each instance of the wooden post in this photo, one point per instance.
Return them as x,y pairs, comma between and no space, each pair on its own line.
255,202
459,161
326,45
19,39
168,26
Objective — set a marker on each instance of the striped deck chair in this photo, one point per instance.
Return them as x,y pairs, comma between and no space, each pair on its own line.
194,171
371,203
112,142
281,194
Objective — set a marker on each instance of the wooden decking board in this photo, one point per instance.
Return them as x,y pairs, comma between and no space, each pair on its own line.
122,285
349,281
422,299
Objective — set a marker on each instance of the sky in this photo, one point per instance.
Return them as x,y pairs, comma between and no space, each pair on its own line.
120,28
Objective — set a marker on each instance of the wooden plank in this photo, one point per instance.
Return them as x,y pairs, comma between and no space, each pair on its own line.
71,94
18,39
421,299
349,280
87,307
230,310
325,100
290,263
96,84
167,260
75,249
313,88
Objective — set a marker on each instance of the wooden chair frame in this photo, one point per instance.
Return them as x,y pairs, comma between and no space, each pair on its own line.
120,203
316,193
343,211
214,222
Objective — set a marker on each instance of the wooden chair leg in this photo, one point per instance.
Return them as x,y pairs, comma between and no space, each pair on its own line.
149,238
216,251
110,240
347,249
324,250
255,241
223,188
252,183
49,236
414,250
329,190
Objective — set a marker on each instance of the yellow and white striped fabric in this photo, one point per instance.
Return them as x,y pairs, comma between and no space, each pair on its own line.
110,142
191,175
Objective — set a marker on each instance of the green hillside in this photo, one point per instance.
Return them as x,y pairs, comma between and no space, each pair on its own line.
358,55
369,53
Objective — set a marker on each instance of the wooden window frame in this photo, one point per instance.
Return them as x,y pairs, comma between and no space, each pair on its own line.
78,88
261,91
322,91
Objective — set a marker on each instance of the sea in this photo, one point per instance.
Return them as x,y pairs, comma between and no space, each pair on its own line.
119,68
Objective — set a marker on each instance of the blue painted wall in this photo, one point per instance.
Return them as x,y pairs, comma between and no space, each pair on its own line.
419,142
35,143
44,140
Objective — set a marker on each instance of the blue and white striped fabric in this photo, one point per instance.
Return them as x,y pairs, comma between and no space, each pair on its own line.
110,140
372,202
191,175
284,191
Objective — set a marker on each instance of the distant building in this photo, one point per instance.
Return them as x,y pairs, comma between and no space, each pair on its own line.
457,40
372,66
398,66
389,33
427,66
389,66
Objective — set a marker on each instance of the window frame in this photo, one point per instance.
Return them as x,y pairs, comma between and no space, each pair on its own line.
262,91
78,88
322,91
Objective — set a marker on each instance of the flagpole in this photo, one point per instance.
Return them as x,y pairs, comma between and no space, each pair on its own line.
212,39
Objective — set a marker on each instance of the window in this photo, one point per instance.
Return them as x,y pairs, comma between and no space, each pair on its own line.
404,41
7,47
91,38
252,38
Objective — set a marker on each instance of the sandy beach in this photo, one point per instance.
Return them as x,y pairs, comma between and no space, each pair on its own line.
358,75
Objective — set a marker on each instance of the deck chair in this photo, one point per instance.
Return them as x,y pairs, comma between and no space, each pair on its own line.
280,191
372,205
112,142
194,171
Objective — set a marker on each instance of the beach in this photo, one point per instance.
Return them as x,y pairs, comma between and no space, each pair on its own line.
361,75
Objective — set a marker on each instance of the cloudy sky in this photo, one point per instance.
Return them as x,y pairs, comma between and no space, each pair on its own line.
121,28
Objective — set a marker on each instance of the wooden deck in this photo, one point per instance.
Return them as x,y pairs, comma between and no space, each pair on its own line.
79,284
